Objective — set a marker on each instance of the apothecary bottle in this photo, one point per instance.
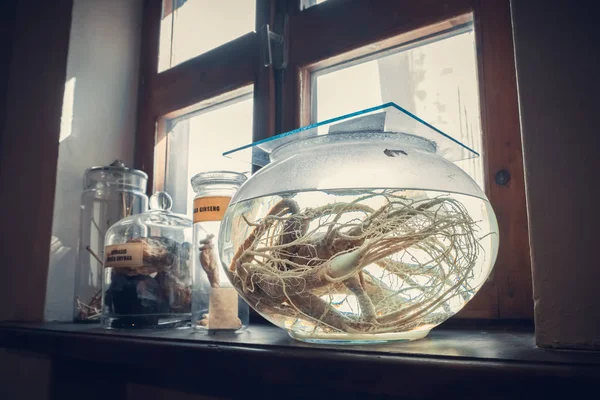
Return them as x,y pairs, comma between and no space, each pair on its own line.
216,305
148,269
110,193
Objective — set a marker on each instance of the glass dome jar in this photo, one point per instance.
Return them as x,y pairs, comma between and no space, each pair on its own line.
147,269
362,232
110,193
215,303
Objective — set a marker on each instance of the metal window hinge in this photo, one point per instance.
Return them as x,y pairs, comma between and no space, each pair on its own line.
273,47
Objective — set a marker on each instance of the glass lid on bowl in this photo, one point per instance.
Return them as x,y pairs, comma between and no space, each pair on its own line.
388,117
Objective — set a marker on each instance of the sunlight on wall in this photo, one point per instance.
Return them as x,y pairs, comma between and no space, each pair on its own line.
97,125
66,119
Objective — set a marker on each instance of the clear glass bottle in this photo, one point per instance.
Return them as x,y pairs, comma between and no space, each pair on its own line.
148,269
110,194
216,305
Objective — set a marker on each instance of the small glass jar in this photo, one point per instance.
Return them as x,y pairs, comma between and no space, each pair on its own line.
110,193
148,269
216,305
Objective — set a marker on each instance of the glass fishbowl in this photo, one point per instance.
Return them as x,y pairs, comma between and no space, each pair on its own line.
147,269
359,229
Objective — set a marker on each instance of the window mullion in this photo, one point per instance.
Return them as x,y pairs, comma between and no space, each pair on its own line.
264,85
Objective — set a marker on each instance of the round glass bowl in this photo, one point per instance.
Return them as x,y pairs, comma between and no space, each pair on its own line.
358,237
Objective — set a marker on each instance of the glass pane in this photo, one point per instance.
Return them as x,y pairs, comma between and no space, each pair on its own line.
378,120
436,80
196,142
192,27
309,3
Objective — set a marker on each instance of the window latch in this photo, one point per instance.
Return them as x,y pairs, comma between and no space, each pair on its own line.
273,47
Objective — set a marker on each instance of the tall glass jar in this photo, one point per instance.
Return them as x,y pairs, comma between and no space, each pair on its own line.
110,194
216,305
148,269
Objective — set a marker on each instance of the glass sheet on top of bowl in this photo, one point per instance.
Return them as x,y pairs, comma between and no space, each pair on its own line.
359,229
388,117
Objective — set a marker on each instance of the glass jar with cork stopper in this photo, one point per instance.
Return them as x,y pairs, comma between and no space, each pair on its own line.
216,305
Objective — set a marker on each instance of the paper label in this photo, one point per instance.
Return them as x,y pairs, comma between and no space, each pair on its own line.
124,255
223,309
210,208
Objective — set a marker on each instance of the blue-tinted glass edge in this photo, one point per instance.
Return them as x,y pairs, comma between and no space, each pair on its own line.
397,107
346,116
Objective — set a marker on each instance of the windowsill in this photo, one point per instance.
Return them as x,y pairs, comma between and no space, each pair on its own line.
494,358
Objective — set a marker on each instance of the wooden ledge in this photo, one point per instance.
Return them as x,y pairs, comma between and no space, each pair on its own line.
451,361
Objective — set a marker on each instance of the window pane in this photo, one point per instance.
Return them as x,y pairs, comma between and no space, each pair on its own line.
309,3
196,142
436,80
192,27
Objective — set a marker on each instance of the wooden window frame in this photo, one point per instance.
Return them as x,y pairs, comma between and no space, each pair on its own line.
336,31
197,83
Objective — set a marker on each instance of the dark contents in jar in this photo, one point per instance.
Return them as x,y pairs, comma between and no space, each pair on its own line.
139,297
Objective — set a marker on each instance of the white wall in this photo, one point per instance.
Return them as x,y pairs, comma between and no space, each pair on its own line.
101,98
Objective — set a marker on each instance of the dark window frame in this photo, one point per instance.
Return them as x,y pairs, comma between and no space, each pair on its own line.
189,86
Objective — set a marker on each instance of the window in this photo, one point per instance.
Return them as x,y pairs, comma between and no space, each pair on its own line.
435,79
195,142
451,65
211,81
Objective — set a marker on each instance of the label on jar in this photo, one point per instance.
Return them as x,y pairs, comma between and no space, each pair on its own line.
124,255
210,208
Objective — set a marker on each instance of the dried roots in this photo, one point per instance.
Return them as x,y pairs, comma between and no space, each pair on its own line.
393,266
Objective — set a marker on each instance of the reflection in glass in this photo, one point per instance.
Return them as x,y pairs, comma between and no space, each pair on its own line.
436,80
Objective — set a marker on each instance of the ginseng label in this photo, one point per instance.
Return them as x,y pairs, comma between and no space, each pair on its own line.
124,255
210,208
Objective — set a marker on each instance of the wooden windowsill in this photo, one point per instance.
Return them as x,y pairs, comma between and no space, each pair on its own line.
492,359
